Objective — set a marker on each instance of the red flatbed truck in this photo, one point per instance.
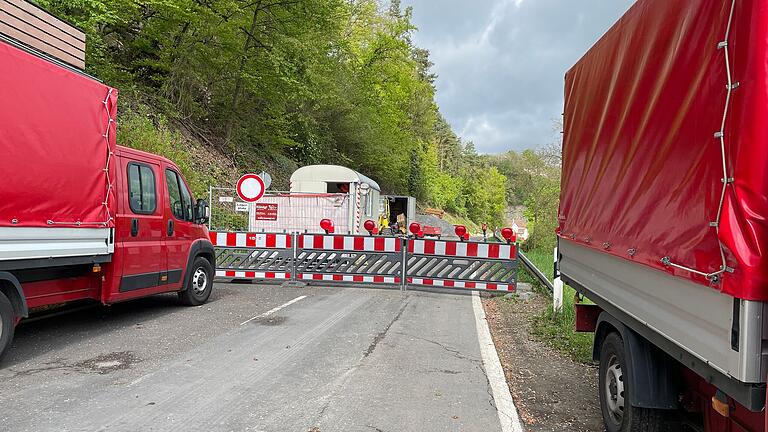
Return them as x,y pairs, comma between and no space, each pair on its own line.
664,214
80,217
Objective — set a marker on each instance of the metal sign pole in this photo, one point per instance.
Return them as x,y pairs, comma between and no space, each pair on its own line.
210,205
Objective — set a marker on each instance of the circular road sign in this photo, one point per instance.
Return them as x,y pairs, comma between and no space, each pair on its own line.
250,188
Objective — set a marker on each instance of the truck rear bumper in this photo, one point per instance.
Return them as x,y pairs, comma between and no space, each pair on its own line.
22,243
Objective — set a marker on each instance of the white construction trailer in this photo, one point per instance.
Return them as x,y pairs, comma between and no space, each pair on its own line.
319,192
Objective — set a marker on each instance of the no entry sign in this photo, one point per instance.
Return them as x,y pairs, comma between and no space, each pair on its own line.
250,188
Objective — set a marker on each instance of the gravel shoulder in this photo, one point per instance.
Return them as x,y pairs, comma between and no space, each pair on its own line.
552,392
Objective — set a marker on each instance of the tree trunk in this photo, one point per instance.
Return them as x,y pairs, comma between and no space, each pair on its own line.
239,78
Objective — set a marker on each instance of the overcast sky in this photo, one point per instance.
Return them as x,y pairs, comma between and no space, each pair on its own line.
501,62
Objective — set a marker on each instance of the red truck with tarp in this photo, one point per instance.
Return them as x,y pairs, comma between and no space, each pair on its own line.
663,219
80,217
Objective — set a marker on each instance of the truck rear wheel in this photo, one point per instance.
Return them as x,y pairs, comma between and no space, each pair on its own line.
199,283
7,324
615,403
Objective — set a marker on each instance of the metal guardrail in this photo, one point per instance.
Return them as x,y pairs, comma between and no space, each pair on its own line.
530,267
535,272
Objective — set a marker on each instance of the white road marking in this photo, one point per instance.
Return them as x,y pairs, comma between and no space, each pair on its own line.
505,406
273,310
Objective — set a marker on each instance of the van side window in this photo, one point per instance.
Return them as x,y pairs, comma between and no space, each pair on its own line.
181,199
142,196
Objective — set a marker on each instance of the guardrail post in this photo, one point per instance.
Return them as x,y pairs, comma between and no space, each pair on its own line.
295,249
404,267
557,291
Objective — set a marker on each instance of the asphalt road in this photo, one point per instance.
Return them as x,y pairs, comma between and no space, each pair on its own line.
334,359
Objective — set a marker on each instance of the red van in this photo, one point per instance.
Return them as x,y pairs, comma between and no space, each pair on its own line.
80,217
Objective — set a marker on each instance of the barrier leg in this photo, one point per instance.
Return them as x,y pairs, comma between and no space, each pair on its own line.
295,246
403,268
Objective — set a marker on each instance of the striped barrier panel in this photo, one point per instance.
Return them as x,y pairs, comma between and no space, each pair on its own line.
350,259
461,265
246,255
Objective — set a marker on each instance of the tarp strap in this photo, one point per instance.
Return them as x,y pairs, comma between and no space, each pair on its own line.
109,185
727,180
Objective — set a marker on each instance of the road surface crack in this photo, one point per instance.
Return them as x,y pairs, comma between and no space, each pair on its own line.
382,334
371,348
453,351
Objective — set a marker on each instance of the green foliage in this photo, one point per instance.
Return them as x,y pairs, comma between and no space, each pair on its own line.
140,129
286,83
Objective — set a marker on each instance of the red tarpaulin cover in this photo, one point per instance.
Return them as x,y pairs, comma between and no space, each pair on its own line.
642,166
53,149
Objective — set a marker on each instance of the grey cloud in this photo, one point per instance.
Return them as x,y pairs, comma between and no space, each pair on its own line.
501,62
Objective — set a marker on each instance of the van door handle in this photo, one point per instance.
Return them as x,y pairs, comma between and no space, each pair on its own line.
170,227
134,227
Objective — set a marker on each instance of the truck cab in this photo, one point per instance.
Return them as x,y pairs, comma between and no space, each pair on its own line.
159,231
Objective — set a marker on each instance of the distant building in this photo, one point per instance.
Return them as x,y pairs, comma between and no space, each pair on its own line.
520,226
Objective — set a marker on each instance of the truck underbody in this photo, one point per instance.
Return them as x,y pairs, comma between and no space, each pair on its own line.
712,342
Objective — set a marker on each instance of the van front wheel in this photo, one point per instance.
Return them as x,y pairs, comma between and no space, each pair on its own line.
199,283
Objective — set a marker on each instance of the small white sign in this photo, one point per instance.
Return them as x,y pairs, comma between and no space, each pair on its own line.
241,207
226,199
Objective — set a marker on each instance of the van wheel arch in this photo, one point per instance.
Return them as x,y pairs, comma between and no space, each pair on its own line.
200,249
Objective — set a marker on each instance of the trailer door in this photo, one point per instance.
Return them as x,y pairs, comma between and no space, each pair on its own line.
411,215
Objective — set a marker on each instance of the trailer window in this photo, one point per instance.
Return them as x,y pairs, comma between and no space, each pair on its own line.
142,196
181,199
369,203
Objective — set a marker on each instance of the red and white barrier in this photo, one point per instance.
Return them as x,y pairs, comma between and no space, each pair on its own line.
348,278
349,243
366,260
252,275
255,240
462,249
491,286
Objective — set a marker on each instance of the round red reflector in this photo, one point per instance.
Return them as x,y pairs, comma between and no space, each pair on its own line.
326,225
466,236
414,228
369,225
508,234
460,231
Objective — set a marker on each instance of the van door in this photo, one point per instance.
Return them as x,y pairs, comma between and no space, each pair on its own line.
180,228
140,227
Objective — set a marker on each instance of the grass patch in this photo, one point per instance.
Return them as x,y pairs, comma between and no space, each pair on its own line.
557,329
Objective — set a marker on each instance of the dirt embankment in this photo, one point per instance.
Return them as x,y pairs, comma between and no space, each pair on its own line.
552,392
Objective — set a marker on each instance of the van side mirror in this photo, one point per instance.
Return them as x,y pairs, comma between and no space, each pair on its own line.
202,212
